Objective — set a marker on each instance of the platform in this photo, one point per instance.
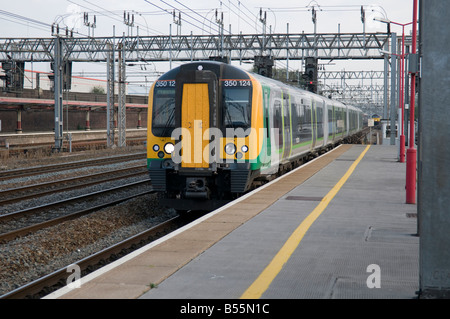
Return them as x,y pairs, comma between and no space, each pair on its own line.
335,228
37,138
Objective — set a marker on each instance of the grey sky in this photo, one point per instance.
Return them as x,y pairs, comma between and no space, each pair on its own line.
199,16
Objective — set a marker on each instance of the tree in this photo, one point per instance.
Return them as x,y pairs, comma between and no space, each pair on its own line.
98,90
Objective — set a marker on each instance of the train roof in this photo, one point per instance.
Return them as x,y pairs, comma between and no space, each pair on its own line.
264,79
222,70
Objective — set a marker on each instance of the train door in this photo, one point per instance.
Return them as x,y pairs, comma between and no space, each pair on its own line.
276,124
195,112
286,112
330,113
313,123
340,121
307,127
195,118
270,156
320,106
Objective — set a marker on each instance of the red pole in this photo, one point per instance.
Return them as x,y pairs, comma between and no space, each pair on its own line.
19,121
411,155
88,120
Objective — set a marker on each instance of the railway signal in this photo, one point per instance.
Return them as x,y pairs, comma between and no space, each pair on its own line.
311,74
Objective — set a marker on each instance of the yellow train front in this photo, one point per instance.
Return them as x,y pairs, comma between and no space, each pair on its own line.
216,131
202,149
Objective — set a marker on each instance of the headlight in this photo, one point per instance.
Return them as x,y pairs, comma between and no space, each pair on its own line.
230,148
244,149
168,148
156,147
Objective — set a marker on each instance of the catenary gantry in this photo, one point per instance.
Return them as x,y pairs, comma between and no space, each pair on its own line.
195,47
288,46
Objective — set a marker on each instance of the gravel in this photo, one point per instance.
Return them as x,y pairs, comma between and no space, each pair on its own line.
31,257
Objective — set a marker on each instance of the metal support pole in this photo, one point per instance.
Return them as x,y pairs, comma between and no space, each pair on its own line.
402,99
386,77
58,86
393,108
385,96
110,97
406,95
192,49
411,153
314,18
170,48
434,153
363,20
122,120
287,52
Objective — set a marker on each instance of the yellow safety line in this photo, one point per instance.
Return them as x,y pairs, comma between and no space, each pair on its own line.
260,285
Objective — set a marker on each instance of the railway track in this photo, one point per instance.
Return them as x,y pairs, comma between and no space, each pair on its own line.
64,216
83,145
20,241
57,279
17,194
24,172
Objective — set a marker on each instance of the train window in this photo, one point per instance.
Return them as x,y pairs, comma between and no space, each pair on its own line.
319,119
286,110
236,107
277,123
297,113
331,126
163,117
306,133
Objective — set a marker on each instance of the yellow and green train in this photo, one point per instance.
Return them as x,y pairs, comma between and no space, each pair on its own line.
216,131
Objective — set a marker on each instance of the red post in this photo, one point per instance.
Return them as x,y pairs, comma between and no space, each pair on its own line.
19,121
88,120
411,155
139,120
401,100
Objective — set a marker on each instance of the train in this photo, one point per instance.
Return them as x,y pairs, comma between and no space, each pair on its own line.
216,131
376,119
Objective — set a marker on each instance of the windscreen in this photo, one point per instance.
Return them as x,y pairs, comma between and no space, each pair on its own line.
163,117
236,105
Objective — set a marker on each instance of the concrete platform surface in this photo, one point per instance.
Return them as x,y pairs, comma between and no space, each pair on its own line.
363,244
335,228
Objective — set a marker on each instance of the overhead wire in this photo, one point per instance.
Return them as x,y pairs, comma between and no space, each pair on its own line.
171,13
25,20
112,16
238,15
193,12
251,12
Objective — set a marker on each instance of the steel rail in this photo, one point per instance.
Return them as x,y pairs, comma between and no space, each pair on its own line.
40,208
5,237
10,174
61,275
28,188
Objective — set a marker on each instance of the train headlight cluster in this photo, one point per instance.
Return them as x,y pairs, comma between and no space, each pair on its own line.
168,148
244,149
230,148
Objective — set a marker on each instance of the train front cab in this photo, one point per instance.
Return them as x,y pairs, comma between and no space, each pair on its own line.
207,166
